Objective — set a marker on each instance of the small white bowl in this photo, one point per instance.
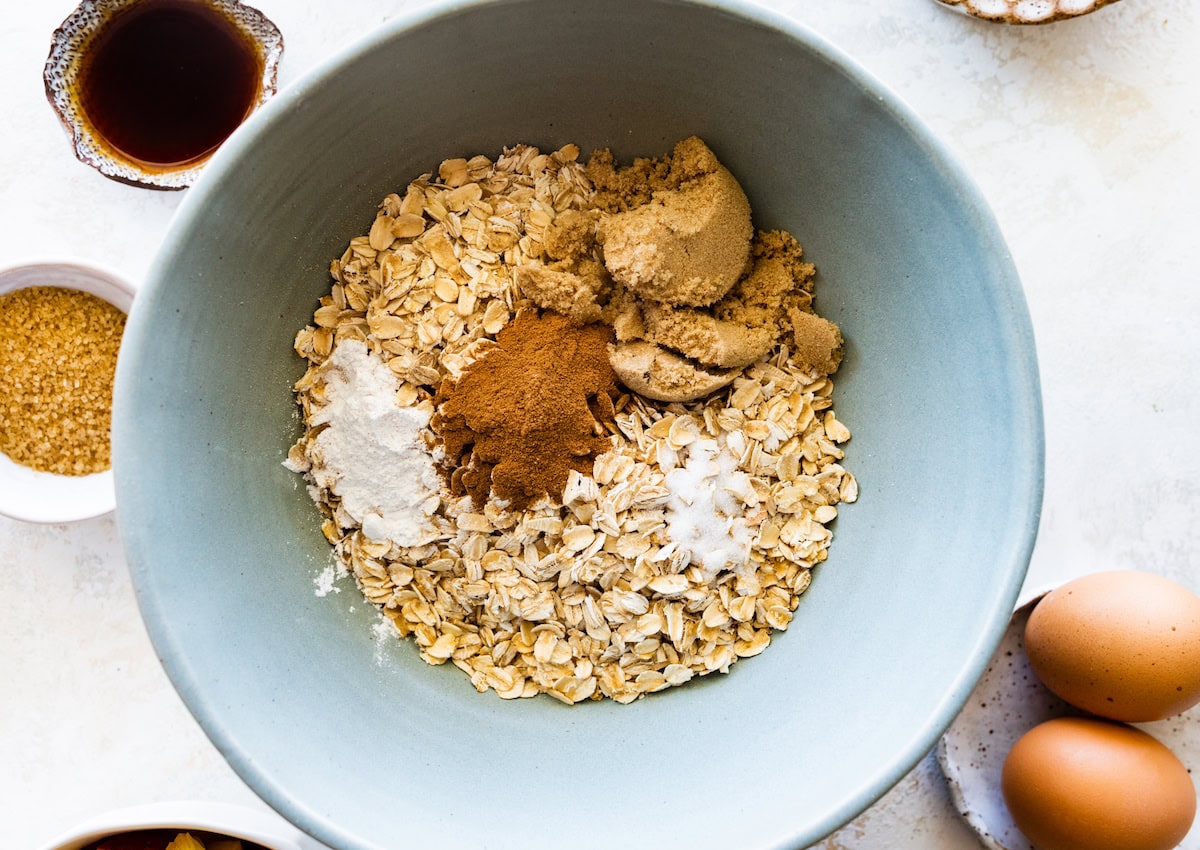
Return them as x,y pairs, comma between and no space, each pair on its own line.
263,828
25,493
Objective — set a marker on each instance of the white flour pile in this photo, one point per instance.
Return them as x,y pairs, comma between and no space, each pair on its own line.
372,454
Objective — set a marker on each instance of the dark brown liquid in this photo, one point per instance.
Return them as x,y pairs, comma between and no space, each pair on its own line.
164,82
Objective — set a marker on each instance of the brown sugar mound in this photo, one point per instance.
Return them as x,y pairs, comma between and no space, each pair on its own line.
574,283
572,289
778,283
526,413
705,338
618,189
817,343
655,372
692,294
689,243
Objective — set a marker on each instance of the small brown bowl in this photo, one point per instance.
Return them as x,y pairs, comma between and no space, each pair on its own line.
65,71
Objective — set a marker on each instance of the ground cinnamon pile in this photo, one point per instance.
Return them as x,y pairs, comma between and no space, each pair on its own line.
525,414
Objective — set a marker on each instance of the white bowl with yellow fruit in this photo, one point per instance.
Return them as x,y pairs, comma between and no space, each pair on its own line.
185,826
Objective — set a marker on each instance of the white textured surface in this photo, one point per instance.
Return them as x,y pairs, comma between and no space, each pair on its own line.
1083,137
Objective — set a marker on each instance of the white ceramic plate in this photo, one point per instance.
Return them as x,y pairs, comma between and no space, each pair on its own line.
33,496
1008,701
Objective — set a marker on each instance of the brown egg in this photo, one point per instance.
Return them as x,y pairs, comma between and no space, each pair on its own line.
1076,783
1124,645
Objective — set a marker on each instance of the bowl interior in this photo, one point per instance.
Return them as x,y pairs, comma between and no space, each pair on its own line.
360,742
26,493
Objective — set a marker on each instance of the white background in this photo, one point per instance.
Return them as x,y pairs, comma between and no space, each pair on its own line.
1085,138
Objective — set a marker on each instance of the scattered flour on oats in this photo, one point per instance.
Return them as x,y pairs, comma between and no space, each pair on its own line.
705,516
372,454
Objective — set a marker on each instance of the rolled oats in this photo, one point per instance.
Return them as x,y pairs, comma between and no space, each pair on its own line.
590,598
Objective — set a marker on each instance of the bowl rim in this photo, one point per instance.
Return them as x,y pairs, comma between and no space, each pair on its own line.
116,290
1027,407
264,828
949,763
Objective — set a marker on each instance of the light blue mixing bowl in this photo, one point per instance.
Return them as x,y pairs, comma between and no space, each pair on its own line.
361,743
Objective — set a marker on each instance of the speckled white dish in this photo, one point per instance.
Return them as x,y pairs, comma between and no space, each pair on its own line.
1026,11
1009,701
25,493
262,828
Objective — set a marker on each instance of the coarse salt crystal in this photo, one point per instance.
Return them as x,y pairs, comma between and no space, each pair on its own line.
703,518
